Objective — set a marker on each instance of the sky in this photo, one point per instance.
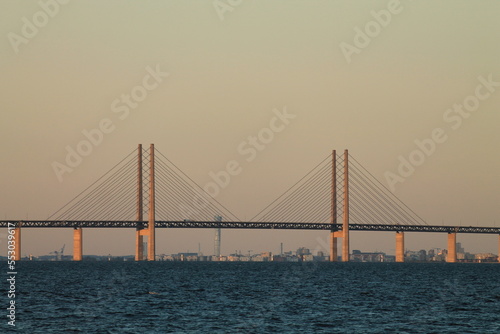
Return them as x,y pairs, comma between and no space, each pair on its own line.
413,81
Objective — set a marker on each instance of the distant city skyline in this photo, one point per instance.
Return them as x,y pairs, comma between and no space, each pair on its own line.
302,254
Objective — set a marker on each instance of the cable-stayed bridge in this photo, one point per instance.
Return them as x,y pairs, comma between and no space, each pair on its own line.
146,190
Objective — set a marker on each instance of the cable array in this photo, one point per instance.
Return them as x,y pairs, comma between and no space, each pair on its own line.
372,203
108,198
114,195
308,200
178,197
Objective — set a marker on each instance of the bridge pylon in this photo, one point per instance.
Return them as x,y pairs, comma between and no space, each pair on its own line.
345,223
150,231
151,222
344,234
139,246
333,214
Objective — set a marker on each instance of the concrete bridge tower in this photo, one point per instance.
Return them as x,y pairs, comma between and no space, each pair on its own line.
150,231
344,234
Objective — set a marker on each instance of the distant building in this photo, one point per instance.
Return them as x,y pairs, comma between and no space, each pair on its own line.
422,255
303,251
266,254
358,256
486,257
307,258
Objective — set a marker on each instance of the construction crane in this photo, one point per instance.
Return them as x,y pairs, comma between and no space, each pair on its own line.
59,254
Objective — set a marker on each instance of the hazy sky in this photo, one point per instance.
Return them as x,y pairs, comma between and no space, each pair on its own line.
229,67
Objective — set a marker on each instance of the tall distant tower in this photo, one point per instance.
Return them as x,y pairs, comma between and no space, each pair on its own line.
217,238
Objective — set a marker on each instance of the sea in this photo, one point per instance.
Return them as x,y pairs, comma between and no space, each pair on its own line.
253,297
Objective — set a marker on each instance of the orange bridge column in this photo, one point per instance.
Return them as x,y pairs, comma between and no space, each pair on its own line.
77,244
400,247
452,248
17,245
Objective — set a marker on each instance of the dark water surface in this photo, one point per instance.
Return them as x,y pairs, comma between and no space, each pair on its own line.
165,297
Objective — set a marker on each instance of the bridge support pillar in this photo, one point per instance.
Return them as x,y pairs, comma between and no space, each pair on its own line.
400,247
333,245
77,244
17,245
452,248
139,245
499,248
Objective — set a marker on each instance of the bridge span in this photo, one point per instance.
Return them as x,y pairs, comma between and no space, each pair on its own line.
142,227
248,225
338,195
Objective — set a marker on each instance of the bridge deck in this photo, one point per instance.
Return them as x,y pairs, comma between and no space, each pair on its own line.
247,225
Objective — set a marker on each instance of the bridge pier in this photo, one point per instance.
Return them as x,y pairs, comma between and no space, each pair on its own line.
17,245
77,244
452,248
400,247
334,235
139,245
499,248
333,247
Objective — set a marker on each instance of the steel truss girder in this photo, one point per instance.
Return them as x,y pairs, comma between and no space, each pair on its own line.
247,225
